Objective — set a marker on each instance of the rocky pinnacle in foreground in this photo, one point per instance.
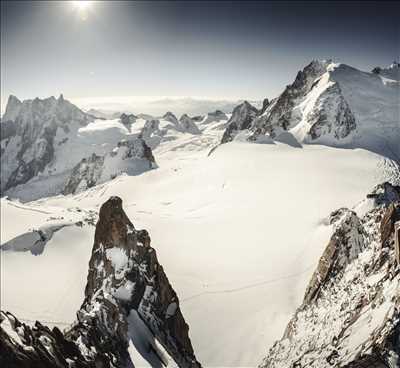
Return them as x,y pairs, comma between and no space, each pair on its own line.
128,302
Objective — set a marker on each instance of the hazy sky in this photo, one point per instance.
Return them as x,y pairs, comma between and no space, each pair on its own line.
214,49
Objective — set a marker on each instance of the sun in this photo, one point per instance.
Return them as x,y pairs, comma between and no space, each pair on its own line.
81,5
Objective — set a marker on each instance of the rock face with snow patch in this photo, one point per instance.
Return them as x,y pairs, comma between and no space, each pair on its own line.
130,156
350,316
128,300
279,115
242,118
128,119
169,116
331,116
188,125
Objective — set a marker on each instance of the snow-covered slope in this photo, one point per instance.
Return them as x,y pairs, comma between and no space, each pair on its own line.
220,225
336,105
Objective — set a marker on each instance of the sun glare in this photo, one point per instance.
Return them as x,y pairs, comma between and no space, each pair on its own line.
82,5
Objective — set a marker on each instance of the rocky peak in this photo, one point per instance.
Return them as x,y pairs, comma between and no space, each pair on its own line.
242,117
169,116
188,125
127,291
278,116
124,269
12,109
128,119
265,104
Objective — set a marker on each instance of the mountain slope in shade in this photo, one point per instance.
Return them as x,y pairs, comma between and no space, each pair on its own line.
350,315
131,157
130,312
336,105
31,135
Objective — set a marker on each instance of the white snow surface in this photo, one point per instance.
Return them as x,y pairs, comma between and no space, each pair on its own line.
239,234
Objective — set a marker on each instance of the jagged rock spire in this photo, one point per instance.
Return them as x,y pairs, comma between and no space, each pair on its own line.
127,290
124,266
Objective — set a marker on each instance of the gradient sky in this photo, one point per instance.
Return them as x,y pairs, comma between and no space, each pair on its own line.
212,49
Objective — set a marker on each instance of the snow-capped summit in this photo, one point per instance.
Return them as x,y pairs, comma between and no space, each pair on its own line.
337,105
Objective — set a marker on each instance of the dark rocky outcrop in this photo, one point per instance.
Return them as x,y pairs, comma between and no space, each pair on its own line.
124,279
131,156
169,116
264,106
128,119
345,244
197,118
39,347
85,174
188,125
242,117
391,216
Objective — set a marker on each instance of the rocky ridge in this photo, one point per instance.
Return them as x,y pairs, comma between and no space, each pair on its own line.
350,316
28,135
131,156
330,104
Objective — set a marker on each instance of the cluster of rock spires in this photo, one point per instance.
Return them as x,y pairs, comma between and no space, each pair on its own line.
33,124
350,315
125,284
38,135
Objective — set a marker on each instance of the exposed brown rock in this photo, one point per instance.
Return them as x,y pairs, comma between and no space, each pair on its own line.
391,215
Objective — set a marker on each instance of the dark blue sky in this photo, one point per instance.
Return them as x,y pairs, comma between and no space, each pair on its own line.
214,49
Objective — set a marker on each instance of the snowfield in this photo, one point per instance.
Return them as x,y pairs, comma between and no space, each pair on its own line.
239,234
